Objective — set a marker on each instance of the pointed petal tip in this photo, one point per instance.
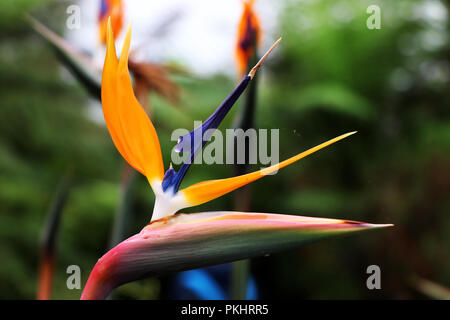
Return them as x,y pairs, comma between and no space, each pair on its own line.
348,134
109,27
344,135
126,48
131,130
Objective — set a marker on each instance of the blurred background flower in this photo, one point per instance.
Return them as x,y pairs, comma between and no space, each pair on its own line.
331,74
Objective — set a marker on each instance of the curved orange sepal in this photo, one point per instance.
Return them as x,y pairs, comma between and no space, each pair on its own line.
127,122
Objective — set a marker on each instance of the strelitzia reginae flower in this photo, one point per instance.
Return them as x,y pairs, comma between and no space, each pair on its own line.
175,242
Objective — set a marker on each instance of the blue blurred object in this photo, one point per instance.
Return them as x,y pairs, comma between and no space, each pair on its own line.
211,283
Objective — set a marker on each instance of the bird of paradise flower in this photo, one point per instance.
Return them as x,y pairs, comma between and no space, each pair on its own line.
175,242
202,282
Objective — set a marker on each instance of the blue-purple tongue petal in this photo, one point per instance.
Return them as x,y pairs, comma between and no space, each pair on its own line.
212,122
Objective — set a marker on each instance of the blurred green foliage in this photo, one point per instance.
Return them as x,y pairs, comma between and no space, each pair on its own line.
330,75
